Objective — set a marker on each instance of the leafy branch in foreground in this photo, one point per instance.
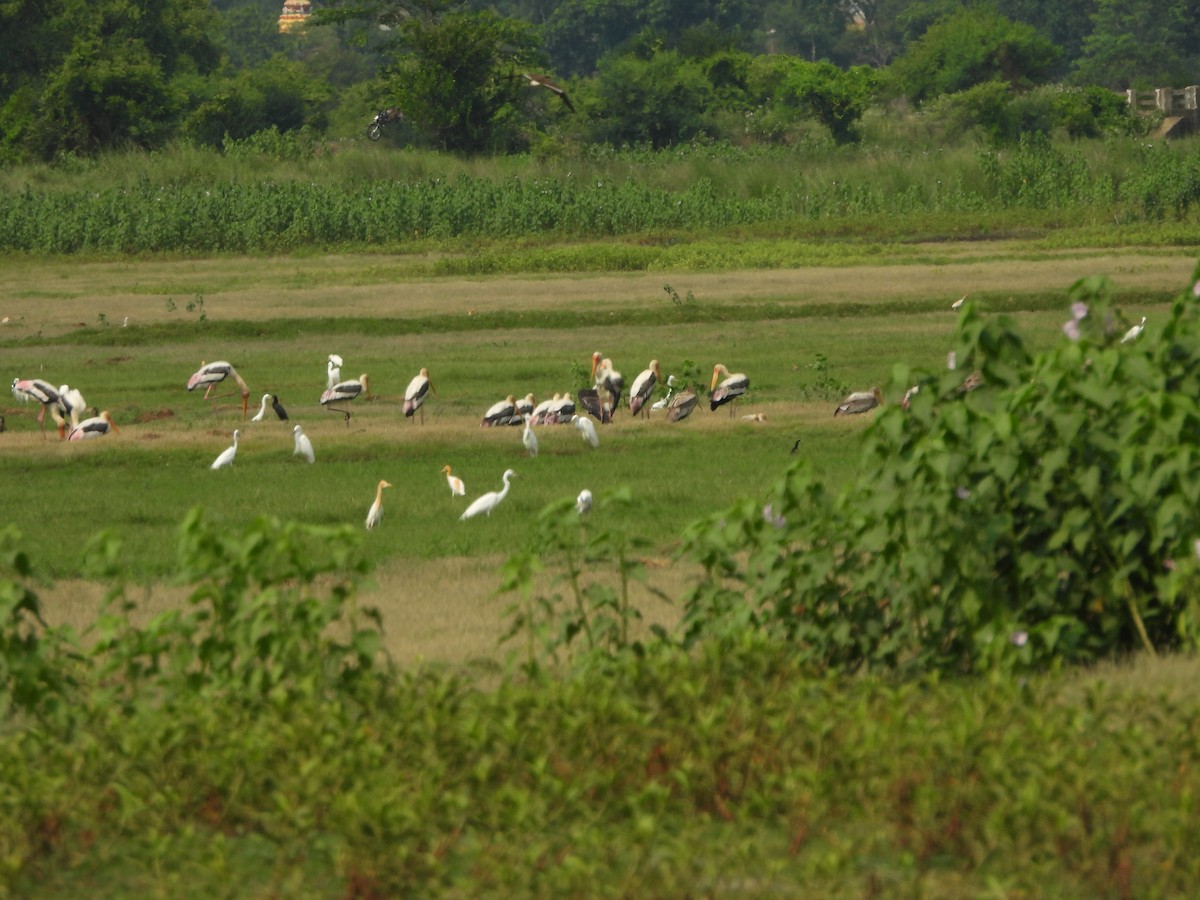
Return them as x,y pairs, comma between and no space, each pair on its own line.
1020,512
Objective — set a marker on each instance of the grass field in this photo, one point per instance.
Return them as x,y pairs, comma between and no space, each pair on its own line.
481,338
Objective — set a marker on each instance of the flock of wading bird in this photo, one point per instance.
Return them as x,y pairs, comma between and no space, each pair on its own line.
601,402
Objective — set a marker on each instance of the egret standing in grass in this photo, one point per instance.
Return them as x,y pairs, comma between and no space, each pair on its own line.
304,446
414,396
730,388
227,455
346,391
262,409
213,373
528,438
375,513
586,429
97,426
333,371
583,502
489,501
457,488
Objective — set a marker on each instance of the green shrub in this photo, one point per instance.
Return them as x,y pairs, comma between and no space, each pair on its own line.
1039,517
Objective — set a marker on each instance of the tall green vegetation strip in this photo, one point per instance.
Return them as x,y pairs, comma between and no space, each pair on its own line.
234,216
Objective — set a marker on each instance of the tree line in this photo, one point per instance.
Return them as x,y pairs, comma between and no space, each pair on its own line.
78,78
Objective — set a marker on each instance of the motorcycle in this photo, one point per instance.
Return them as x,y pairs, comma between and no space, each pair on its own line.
383,117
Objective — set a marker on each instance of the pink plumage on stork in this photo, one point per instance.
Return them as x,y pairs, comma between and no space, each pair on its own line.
346,391
414,397
213,373
26,389
96,426
642,389
730,388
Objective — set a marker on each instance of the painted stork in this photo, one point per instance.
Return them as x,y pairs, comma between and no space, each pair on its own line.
681,404
586,430
489,501
26,389
607,380
1132,333
375,513
212,374
414,397
542,412
583,502
499,413
278,407
457,488
642,389
346,391
97,426
730,388
304,446
528,438
859,402
262,409
522,408
561,411
541,81
227,455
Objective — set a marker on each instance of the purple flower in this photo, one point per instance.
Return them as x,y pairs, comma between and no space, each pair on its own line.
1079,310
1071,329
1196,289
962,493
1019,638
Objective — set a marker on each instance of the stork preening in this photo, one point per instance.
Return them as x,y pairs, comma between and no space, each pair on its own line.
225,459
97,426
642,389
681,404
213,373
345,392
859,402
609,385
457,488
489,501
375,513
414,396
303,446
26,389
728,390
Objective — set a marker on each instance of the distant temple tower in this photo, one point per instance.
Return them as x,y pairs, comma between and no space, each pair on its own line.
294,13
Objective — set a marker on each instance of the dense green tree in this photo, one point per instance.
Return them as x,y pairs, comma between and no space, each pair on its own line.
969,48
834,97
1065,22
79,77
658,101
1142,43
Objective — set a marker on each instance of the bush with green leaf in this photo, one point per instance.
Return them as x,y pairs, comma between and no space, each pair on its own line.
1021,511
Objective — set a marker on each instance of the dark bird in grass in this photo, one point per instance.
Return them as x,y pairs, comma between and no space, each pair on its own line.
278,407
541,81
796,446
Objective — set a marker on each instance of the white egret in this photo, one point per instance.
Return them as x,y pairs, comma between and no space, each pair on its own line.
586,429
489,501
227,455
457,488
528,438
304,446
262,409
333,371
1132,333
583,502
375,513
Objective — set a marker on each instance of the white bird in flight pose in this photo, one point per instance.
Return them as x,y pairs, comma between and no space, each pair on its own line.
489,501
304,446
376,511
227,455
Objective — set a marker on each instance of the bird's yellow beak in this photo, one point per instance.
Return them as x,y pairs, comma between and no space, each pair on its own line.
595,365
713,386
